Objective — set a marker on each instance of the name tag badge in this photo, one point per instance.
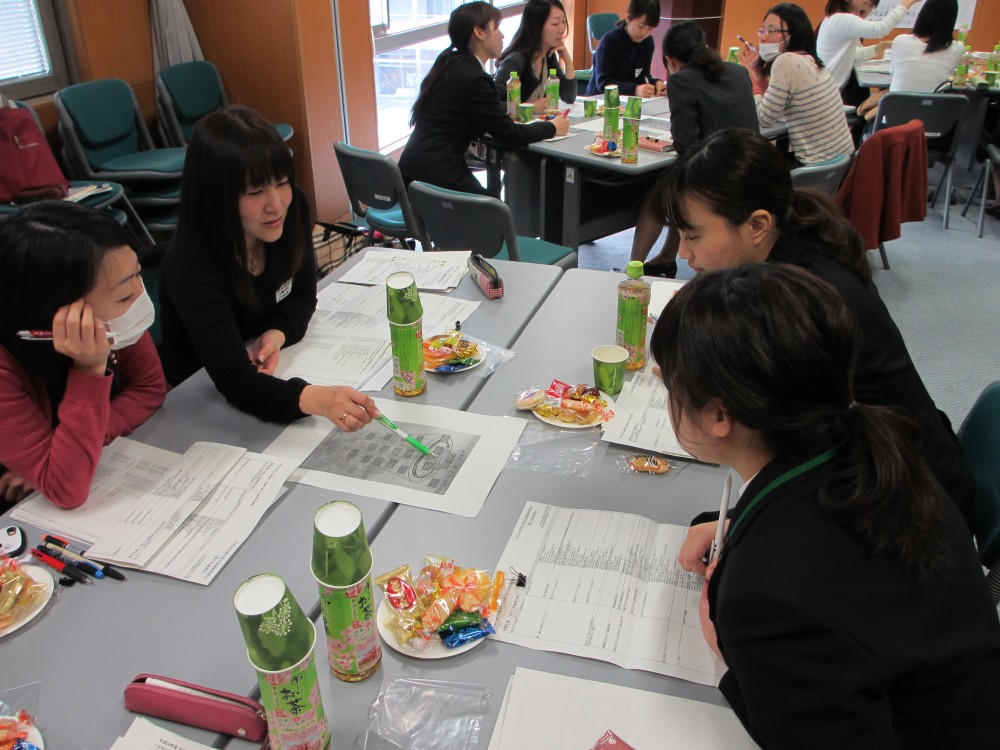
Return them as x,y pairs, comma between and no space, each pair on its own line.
283,291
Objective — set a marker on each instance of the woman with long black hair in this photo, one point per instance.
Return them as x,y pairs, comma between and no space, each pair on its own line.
241,269
457,104
539,45
848,602
732,201
72,271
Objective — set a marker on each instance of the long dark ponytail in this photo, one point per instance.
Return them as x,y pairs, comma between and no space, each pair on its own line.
463,21
735,172
687,43
776,347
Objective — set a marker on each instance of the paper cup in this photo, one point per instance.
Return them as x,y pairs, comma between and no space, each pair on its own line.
589,107
525,112
633,107
341,565
276,630
609,368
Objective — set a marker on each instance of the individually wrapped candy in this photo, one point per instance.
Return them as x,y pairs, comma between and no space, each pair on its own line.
645,465
468,635
450,352
14,731
459,620
18,590
439,593
406,611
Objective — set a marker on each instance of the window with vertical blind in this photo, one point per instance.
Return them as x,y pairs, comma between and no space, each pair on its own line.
31,59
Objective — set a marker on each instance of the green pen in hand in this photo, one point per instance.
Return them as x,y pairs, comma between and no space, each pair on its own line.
390,425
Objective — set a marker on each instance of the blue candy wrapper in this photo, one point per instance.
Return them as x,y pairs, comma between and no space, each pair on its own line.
468,635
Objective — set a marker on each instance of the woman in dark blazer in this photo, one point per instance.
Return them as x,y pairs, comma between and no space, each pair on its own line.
457,104
848,602
731,199
706,94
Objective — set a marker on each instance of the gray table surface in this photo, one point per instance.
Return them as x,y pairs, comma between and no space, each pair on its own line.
578,315
159,625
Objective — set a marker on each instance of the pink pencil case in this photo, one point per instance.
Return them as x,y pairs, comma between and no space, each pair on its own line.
197,706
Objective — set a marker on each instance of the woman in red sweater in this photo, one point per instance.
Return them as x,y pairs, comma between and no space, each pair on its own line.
70,270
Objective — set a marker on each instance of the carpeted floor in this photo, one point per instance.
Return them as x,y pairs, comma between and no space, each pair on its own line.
943,291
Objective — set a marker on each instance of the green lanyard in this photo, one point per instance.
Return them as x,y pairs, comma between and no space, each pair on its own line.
802,468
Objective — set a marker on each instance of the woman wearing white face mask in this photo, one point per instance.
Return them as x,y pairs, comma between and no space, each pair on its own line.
70,270
791,84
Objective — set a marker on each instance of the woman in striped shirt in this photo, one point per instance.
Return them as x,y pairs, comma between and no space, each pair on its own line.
790,83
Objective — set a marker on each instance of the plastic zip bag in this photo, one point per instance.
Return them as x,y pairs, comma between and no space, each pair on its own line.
417,714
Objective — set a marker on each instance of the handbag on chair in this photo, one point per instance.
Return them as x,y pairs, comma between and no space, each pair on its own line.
29,171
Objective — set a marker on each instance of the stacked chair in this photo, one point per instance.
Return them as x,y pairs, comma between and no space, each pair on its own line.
185,93
105,139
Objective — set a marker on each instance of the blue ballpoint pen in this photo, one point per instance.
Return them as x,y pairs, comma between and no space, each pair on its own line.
70,559
390,425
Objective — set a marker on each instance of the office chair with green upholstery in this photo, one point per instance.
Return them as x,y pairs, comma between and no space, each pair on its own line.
462,221
188,91
105,138
599,24
980,439
377,193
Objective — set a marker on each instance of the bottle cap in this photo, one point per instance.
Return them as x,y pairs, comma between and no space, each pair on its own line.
552,71
513,74
634,269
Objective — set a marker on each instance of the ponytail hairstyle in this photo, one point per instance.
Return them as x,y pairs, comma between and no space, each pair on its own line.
686,42
801,35
776,347
528,37
936,22
50,256
647,11
230,149
463,21
735,172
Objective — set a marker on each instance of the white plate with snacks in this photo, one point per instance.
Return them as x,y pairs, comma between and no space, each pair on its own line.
39,575
610,408
433,649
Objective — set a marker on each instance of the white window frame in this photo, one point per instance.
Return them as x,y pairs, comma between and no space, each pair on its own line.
57,78
389,42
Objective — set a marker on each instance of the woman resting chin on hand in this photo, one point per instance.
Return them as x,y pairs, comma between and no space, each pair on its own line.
70,270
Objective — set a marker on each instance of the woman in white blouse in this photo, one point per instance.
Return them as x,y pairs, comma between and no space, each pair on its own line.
838,45
921,61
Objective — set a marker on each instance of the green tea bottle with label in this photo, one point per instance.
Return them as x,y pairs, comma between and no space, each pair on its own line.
633,307
513,95
552,90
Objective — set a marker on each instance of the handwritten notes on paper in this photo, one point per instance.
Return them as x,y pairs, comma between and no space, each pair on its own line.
606,586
